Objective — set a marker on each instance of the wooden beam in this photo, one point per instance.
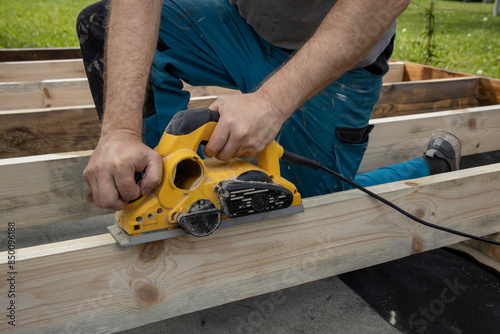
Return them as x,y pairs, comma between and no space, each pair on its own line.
45,94
45,189
405,98
27,54
54,130
38,131
489,91
417,72
20,71
486,254
94,286
396,139
492,251
51,188
48,130
400,98
395,73
68,93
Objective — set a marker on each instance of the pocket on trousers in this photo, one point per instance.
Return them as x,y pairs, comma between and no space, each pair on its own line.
353,136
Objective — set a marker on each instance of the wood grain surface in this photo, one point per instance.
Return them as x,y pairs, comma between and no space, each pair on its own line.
92,285
51,187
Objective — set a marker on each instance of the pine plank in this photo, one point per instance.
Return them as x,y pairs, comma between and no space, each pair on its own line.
31,70
94,286
492,251
53,130
408,97
44,189
45,94
20,71
399,98
489,91
68,93
48,130
416,72
477,251
28,54
395,73
396,139
51,188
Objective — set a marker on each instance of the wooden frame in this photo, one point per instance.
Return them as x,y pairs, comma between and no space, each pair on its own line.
96,286
93,285
61,191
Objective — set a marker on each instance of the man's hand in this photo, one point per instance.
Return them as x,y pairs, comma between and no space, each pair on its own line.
132,34
110,171
247,124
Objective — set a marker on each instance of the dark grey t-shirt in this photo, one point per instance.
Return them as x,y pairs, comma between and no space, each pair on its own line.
289,23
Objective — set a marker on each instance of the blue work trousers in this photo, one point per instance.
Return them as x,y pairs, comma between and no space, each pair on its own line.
208,43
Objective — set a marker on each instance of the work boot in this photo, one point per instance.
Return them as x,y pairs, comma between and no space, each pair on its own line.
443,153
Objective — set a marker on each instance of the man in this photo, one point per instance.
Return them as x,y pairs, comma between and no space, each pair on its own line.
310,71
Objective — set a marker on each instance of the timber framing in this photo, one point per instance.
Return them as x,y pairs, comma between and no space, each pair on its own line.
92,285
61,192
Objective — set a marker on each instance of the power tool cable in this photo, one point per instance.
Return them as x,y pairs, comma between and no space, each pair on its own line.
314,164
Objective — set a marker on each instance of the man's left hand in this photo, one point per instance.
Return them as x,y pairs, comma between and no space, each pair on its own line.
247,124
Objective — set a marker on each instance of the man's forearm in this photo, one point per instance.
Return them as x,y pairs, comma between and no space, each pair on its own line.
346,34
131,43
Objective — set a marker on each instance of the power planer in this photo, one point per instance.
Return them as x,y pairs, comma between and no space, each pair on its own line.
196,195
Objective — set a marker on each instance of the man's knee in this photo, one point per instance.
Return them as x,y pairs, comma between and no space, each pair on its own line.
91,17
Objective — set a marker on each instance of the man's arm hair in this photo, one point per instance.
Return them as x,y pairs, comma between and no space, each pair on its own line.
132,34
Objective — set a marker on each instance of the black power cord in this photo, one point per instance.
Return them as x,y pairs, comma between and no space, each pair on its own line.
314,164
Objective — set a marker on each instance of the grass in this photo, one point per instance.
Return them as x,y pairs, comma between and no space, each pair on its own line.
467,37
39,23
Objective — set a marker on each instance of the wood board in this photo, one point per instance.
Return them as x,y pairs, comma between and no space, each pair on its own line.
93,285
51,186
68,93
410,97
399,98
134,290
21,71
53,130
35,54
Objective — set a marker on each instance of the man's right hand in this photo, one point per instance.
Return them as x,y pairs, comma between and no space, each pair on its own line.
110,171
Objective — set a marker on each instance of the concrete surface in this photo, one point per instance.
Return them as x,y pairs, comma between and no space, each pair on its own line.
324,306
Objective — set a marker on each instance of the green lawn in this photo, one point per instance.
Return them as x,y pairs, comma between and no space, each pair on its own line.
467,38
39,23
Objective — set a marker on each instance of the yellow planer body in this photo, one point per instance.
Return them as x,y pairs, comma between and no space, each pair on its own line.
197,196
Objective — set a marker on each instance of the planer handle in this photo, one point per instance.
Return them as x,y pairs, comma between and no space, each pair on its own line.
188,128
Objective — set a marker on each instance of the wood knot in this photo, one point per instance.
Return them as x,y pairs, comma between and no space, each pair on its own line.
46,92
19,135
417,244
419,213
411,184
151,250
471,124
147,293
89,198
